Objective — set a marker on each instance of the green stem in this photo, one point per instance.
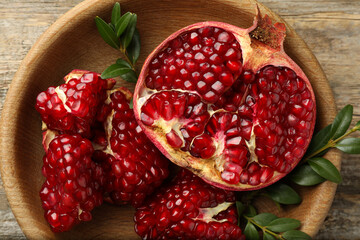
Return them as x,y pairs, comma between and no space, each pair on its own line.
330,144
263,228
123,51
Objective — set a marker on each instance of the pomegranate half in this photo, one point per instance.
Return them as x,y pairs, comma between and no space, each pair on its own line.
227,103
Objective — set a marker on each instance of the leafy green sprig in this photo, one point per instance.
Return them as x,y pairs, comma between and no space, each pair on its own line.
121,34
314,169
268,226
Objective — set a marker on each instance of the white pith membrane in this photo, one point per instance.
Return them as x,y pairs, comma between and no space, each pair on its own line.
61,94
63,98
210,169
207,214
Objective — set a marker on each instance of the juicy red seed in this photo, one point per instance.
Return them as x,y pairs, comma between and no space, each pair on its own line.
234,66
266,174
253,167
203,147
230,177
173,139
254,179
225,37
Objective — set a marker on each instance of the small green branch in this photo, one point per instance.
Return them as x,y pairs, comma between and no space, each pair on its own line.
123,51
330,144
263,228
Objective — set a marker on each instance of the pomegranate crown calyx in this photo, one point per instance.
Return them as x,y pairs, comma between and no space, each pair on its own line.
272,35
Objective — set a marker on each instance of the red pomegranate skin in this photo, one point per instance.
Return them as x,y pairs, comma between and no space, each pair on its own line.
227,103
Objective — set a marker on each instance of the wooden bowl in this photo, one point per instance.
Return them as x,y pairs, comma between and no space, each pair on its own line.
73,42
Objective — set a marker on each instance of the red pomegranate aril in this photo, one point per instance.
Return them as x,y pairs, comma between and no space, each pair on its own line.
173,139
238,95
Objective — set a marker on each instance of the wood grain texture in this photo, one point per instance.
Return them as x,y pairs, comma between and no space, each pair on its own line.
330,28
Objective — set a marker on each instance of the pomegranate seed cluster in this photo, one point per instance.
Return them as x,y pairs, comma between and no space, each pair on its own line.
122,167
73,185
133,165
71,107
249,125
277,104
206,60
188,208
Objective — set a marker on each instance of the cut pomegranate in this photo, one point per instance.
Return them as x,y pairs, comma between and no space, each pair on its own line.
188,208
227,103
71,107
133,165
73,185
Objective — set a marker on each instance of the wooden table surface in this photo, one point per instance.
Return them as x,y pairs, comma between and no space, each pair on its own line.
331,28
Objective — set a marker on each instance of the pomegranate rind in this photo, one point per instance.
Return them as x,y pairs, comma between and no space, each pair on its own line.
256,55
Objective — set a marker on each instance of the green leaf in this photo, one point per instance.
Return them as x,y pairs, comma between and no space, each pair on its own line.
326,169
250,211
116,13
129,76
268,236
295,235
124,63
304,175
129,32
251,232
112,26
122,23
107,33
319,140
357,125
264,218
349,145
283,194
115,70
341,122
131,104
240,208
133,50
283,224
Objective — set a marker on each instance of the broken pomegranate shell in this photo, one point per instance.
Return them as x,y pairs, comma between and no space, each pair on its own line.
71,107
227,103
133,166
188,208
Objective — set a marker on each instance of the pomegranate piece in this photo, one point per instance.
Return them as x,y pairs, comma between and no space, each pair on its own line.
71,107
73,185
133,165
188,208
227,103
